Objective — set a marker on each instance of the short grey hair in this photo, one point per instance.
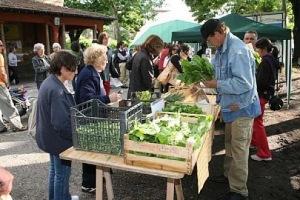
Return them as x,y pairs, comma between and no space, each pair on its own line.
38,46
56,45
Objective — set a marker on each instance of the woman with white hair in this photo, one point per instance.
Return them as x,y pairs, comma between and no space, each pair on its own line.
56,48
89,85
41,64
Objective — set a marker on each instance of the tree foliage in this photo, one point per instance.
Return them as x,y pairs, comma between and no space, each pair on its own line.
205,9
130,14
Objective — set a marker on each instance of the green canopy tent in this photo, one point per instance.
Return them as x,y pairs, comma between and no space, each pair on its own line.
164,30
239,25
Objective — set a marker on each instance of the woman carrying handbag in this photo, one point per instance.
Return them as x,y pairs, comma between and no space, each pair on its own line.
169,75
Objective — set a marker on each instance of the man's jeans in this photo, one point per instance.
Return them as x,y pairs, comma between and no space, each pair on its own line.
237,141
59,174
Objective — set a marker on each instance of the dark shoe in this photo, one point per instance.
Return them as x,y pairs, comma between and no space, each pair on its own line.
91,190
23,128
219,179
3,130
233,196
124,86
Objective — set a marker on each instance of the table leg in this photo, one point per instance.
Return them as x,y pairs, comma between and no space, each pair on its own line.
178,189
99,183
170,189
109,188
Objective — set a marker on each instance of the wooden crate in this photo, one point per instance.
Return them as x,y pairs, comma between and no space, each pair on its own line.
166,157
188,156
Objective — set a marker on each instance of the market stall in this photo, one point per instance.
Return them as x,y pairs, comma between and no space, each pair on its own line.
169,141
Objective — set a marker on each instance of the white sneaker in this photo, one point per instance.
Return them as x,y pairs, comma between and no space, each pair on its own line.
257,158
74,197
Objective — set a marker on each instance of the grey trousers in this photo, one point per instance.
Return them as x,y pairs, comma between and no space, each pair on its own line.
8,110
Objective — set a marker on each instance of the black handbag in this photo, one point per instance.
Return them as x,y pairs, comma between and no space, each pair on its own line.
275,102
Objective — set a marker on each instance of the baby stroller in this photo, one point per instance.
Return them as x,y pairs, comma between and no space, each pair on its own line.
20,100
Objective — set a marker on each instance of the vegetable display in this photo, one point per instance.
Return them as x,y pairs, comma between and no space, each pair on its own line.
171,130
197,70
182,108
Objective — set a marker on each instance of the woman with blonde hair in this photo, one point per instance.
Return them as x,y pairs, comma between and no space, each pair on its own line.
89,85
142,75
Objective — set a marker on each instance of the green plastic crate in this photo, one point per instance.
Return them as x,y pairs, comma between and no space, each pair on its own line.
99,128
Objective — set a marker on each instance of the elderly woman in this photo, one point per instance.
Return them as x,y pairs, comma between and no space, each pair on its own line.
89,85
56,48
41,64
142,74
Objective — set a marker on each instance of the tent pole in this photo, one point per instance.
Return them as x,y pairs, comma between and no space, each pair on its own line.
289,72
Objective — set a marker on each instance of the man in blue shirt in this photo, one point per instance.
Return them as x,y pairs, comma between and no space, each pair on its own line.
235,83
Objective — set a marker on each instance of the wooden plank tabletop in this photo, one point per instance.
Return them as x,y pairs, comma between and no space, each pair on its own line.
114,162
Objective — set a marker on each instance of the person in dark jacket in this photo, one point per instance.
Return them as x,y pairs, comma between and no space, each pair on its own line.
265,77
53,122
142,75
40,63
89,85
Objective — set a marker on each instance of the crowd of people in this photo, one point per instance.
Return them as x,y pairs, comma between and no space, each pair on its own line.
66,78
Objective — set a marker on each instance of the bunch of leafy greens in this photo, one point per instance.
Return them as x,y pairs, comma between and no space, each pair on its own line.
197,70
174,97
143,96
182,108
171,130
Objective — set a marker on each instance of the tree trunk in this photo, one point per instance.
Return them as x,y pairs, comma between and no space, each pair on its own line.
116,25
296,30
75,34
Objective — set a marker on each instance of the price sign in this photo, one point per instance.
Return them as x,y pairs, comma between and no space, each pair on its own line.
157,106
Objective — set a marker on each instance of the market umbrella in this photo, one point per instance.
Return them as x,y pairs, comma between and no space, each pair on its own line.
164,30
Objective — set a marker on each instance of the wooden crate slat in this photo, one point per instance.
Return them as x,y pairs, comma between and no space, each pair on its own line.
156,163
159,149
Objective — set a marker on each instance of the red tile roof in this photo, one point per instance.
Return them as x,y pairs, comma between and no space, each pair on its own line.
30,6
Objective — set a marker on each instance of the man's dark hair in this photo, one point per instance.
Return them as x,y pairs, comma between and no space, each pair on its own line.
210,27
75,46
11,48
119,44
63,58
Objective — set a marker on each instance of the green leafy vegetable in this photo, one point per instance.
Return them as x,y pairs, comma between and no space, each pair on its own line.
171,130
144,96
182,108
174,97
196,70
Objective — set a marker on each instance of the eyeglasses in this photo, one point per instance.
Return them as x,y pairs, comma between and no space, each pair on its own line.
175,49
